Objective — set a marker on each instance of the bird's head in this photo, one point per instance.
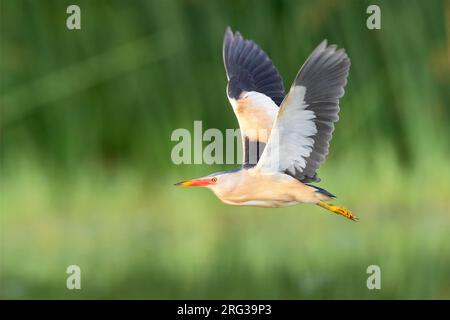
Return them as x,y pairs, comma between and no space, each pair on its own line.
199,182
218,182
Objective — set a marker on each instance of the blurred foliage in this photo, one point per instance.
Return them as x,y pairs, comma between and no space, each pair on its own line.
86,176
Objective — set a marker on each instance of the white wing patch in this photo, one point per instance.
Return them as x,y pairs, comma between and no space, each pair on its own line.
256,114
290,142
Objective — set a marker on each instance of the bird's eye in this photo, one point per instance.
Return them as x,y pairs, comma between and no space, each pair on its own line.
214,179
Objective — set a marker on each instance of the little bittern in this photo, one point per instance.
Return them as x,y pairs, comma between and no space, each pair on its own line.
285,138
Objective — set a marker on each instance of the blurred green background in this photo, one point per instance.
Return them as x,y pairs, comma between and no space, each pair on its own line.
87,178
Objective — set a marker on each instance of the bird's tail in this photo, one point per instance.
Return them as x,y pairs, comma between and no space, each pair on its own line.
323,195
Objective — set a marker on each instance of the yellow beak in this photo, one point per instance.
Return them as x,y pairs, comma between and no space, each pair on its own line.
186,183
194,183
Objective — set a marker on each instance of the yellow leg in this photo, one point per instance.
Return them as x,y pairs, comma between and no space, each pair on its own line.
339,210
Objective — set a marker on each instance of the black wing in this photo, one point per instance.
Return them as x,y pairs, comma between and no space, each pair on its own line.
324,75
250,69
305,122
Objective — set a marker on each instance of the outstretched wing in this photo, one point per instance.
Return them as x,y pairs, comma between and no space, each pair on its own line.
255,90
300,138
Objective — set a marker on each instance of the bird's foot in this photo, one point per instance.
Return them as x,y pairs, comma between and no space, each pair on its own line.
338,210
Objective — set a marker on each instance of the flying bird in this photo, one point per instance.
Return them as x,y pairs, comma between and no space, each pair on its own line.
285,138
